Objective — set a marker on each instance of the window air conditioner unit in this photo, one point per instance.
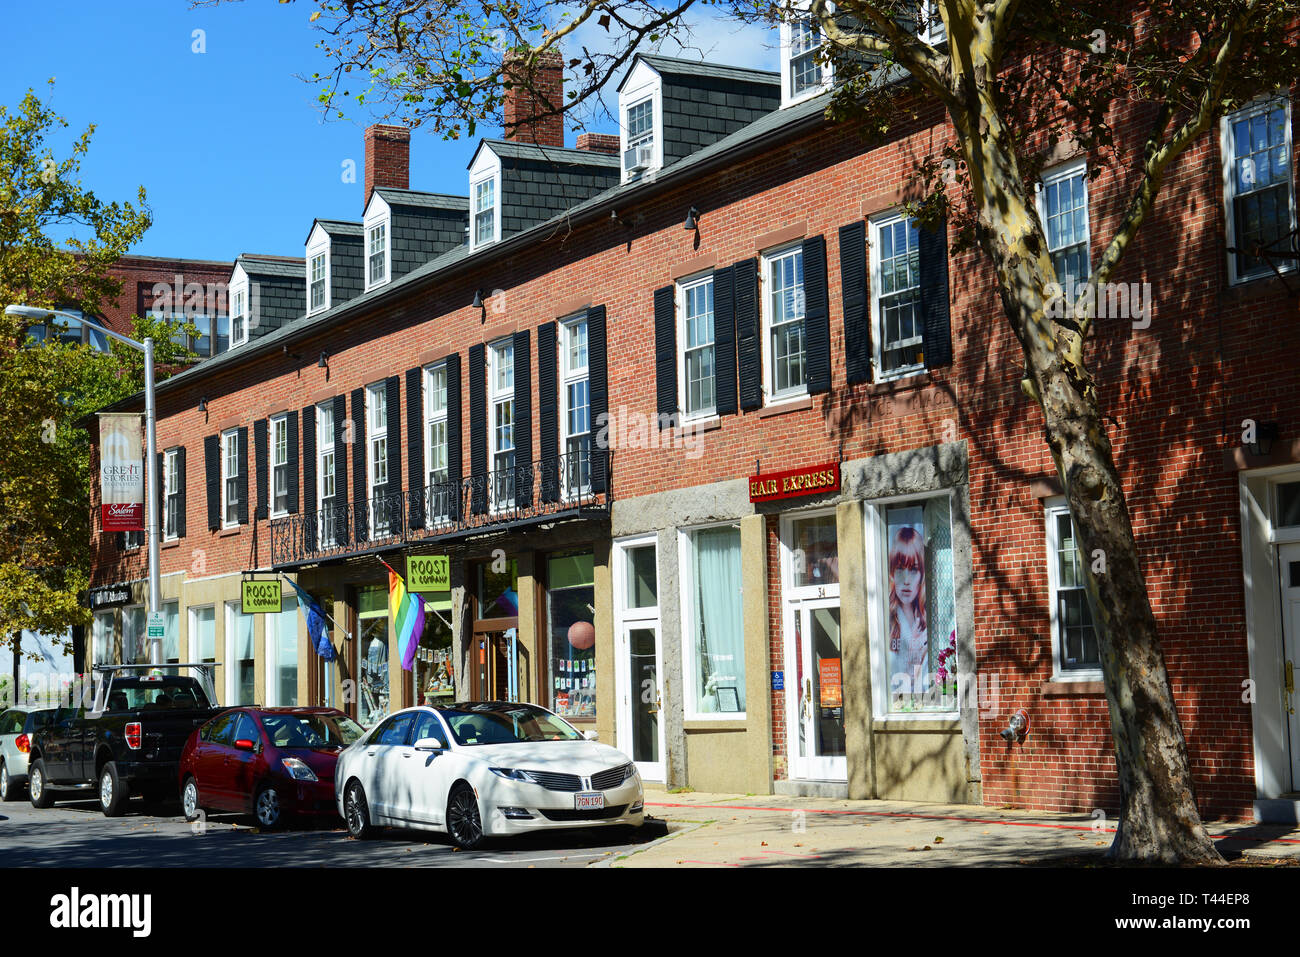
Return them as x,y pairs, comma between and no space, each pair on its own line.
638,158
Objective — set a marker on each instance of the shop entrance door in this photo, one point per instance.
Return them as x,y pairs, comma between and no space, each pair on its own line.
640,697
494,662
1289,562
815,690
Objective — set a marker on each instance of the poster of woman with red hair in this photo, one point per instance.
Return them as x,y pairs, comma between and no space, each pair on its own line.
909,645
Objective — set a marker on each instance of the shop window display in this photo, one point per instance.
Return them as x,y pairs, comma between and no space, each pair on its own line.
570,609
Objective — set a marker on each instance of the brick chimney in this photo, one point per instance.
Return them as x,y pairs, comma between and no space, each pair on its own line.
598,143
522,106
388,158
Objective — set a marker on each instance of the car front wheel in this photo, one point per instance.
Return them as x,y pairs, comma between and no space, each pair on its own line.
356,813
40,795
113,791
464,824
267,808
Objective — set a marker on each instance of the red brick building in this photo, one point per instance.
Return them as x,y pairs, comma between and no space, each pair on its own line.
580,404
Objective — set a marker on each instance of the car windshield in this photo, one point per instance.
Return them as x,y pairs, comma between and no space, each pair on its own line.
506,724
311,730
151,692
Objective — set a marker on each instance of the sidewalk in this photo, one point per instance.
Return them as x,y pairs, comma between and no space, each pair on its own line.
729,830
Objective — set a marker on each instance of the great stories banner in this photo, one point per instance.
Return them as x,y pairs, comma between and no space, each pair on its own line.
121,472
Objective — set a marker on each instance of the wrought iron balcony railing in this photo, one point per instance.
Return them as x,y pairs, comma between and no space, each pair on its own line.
575,484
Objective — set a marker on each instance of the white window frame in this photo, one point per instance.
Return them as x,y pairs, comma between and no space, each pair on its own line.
194,649
232,611
493,180
278,424
326,478
238,317
1228,157
171,488
573,375
875,225
1053,177
271,638
376,463
499,395
642,83
320,251
685,596
684,288
770,395
801,15
434,416
878,608
230,456
1053,508
371,252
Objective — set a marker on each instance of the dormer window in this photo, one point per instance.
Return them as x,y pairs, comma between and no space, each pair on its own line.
317,291
376,254
485,208
805,71
238,317
641,111
639,155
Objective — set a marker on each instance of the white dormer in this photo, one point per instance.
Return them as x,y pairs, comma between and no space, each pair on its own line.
640,121
484,198
318,270
240,307
377,230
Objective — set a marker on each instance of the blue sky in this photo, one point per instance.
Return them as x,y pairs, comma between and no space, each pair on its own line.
229,144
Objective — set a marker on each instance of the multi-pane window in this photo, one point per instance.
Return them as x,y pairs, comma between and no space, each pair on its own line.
1073,637
896,296
231,468
805,44
438,495
317,281
1259,187
485,201
238,317
1064,210
784,315
172,493
501,386
378,253
640,135
280,465
576,391
325,471
377,453
697,338
223,335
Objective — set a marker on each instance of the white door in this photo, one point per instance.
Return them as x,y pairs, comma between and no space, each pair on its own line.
640,697
1289,560
814,690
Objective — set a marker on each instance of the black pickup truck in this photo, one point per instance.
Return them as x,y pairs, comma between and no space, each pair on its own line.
130,742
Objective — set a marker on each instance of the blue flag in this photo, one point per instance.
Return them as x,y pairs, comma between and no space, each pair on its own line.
315,623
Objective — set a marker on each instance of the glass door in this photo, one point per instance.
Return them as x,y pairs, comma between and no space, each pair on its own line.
641,732
372,656
816,697
1289,560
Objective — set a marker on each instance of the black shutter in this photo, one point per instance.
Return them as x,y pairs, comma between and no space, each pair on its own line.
340,500
390,505
360,514
180,492
748,346
816,316
933,249
291,424
666,354
598,392
523,425
242,481
724,340
259,458
309,477
857,315
478,470
161,507
453,433
415,444
548,412
212,472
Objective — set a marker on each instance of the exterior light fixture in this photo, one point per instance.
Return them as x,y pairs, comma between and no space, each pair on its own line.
203,405
323,362
479,304
1265,436
615,217
692,220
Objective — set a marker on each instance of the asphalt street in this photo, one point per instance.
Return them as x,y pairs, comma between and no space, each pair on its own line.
76,834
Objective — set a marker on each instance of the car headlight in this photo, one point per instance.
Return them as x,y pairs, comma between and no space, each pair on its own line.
513,774
298,770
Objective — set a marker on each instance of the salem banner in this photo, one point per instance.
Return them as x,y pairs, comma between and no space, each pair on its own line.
121,471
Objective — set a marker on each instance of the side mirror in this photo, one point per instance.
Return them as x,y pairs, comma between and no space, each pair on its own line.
591,735
430,744
244,744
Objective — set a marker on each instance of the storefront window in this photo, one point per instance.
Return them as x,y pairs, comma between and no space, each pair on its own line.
716,633
203,634
920,622
434,670
171,646
372,668
814,553
642,577
103,638
570,610
282,657
498,595
239,642
135,646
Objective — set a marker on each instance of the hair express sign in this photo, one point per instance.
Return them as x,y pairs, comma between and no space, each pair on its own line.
805,481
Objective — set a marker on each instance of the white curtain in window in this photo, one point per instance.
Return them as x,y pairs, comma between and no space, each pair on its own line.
171,647
719,626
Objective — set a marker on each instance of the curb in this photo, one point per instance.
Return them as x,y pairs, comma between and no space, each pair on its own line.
686,829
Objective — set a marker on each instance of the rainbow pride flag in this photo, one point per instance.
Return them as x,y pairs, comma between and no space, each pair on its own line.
407,612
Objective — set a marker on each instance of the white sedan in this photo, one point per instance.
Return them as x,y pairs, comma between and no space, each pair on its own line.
483,769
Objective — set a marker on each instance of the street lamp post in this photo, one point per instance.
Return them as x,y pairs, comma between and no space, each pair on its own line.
151,453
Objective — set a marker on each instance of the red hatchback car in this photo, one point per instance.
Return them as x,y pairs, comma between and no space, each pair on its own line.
267,762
